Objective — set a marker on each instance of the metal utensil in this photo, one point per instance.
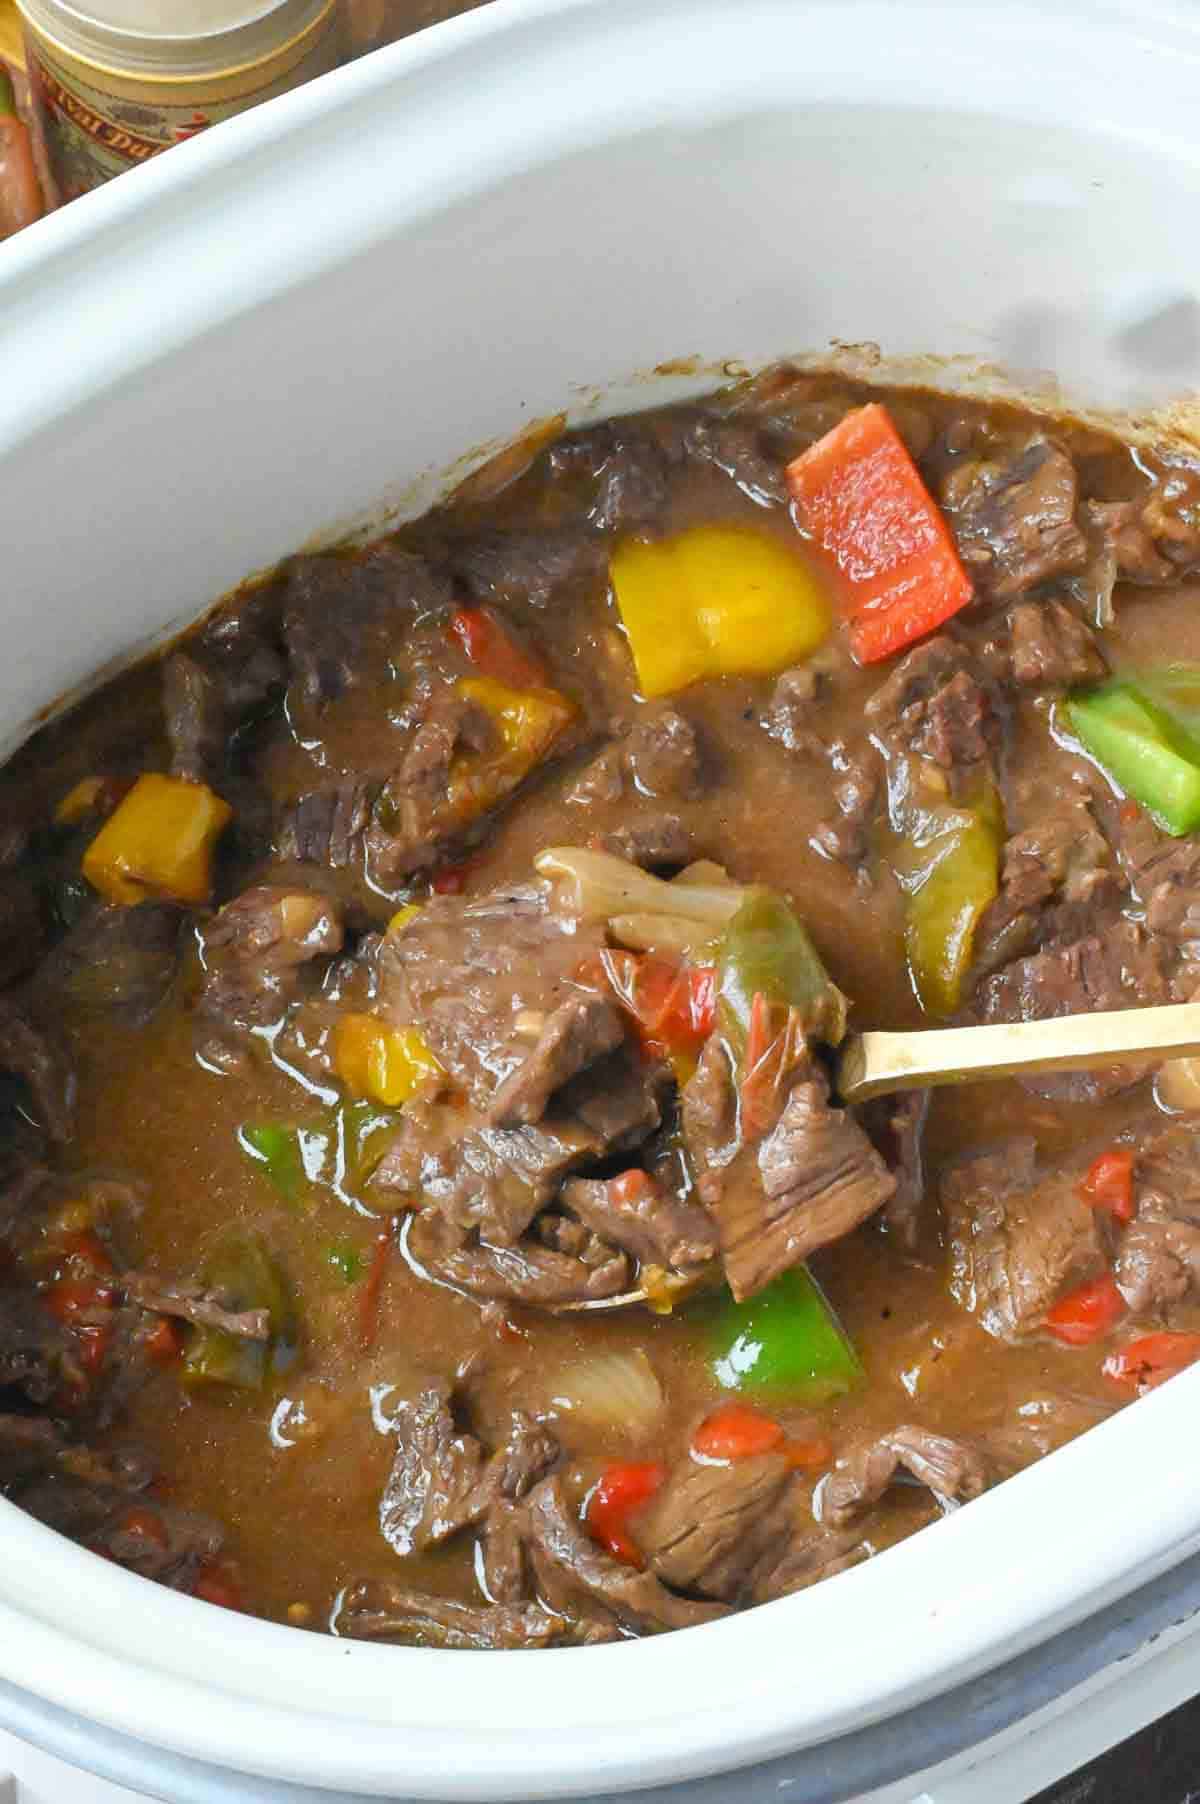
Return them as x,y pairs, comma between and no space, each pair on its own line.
875,1064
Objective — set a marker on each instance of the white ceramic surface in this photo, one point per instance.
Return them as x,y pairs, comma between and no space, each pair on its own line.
260,333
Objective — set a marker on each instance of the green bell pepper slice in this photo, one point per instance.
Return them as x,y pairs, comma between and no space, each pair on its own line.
277,1149
766,951
246,1277
1144,748
785,1342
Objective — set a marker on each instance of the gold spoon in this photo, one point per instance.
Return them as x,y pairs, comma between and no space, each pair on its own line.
875,1064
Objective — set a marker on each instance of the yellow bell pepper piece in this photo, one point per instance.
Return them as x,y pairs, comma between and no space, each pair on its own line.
716,601
403,916
158,842
951,876
79,801
528,721
386,1064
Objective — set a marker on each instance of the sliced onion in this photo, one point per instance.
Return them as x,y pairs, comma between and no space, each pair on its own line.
597,886
665,933
1178,1086
610,1390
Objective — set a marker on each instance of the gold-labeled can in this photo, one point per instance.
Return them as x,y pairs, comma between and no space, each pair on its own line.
126,79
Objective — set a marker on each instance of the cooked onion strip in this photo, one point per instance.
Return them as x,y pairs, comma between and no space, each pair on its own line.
599,887
610,1390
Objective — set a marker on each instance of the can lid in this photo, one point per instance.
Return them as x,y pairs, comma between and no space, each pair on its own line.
172,37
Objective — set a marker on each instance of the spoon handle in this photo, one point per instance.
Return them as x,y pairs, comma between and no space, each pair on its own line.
873,1064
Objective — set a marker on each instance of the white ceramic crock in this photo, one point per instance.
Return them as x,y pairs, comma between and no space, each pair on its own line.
257,335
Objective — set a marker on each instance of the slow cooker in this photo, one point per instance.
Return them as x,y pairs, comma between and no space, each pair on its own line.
307,316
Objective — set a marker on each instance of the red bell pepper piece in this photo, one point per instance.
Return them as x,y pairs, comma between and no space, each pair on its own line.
1085,1314
164,1342
623,1488
735,1431
860,497
491,647
216,1584
674,1005
368,1315
1108,1183
1146,1363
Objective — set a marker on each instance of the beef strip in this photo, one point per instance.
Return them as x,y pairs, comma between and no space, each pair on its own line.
1124,968
1017,1240
807,1557
378,1611
431,1491
1164,872
573,1573
530,568
658,756
109,1512
476,1176
699,1532
811,1179
1052,648
793,709
22,928
477,973
230,668
1014,518
326,825
857,785
1158,1259
31,1052
651,841
1057,884
896,1127
33,1347
574,1035
344,615
935,725
113,959
525,1273
192,1302
254,948
953,1470
658,1229
421,812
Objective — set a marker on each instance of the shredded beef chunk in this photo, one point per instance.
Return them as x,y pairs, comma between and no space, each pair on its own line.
933,708
1015,519
573,1573
530,569
114,960
1052,648
1122,969
1164,872
481,977
33,1347
32,1052
810,1180
658,756
192,1302
1018,1241
326,825
343,615
1158,1258
378,1611
953,1470
896,1127
527,1272
419,813
700,1532
794,709
255,947
651,841
1058,883
656,1228
431,1492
